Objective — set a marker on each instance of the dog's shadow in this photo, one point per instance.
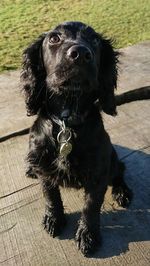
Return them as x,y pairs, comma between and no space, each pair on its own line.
120,227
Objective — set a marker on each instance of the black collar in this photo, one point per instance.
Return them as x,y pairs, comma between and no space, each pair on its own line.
73,120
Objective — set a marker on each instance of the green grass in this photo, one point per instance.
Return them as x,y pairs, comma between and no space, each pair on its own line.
127,21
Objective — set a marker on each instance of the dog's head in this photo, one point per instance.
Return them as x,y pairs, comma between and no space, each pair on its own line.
70,57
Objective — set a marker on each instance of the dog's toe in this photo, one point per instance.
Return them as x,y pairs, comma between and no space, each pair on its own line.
53,225
30,173
123,195
86,240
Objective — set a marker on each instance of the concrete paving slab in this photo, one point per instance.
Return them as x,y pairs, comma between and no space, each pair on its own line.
126,233
12,106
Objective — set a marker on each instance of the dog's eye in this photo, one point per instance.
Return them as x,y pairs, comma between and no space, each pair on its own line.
54,39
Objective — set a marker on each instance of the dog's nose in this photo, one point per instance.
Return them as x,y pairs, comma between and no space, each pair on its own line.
79,53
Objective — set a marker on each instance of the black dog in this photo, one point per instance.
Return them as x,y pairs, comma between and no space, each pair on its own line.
64,73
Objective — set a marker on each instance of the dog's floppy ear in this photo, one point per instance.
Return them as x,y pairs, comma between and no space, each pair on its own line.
33,76
107,76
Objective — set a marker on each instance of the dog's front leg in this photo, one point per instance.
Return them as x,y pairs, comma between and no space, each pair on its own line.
88,232
54,218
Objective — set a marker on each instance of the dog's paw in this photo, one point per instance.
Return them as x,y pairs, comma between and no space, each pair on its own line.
87,241
30,173
123,195
52,224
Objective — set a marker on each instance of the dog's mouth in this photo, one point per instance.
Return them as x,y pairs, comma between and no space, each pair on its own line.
71,85
77,91
72,78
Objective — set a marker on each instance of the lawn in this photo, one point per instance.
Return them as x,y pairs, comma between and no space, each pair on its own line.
128,22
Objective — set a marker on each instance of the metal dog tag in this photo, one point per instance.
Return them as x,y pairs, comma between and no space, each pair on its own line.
65,149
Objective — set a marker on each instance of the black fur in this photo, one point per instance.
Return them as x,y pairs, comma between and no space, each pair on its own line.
66,71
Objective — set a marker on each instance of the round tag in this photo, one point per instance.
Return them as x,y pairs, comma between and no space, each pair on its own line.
65,149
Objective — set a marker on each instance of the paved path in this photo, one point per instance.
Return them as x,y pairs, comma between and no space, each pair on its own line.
126,233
